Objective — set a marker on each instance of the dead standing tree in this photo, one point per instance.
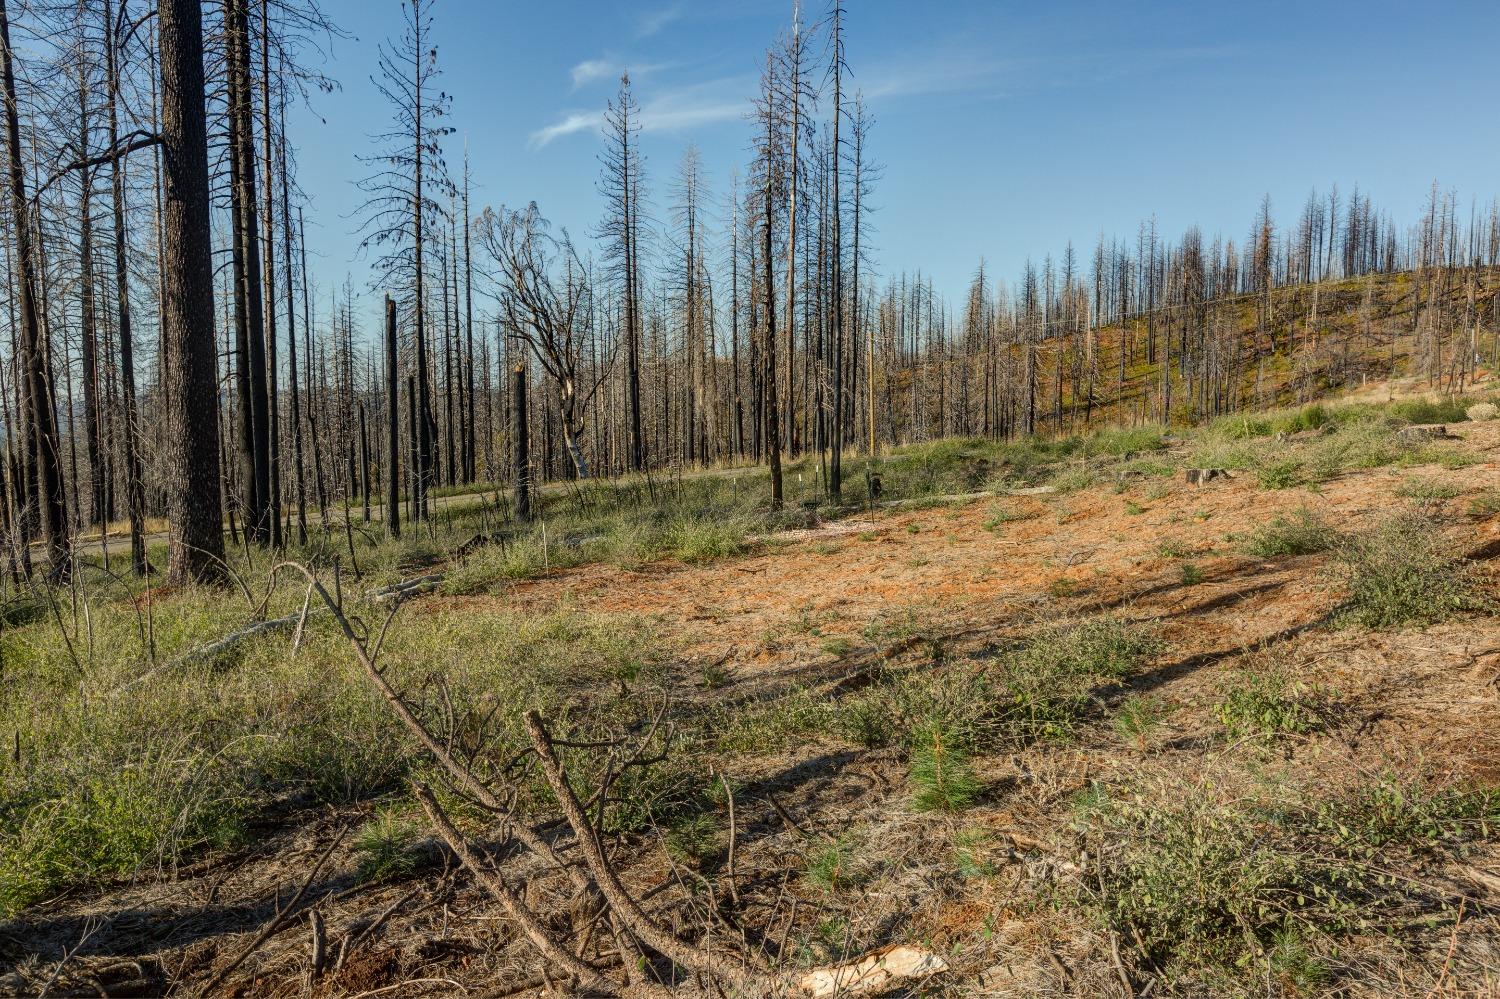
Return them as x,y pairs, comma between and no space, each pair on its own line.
546,301
193,497
401,207
249,301
768,180
47,455
622,183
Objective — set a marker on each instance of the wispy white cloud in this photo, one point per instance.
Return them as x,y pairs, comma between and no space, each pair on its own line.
669,116
593,69
610,68
654,21
934,73
671,110
568,124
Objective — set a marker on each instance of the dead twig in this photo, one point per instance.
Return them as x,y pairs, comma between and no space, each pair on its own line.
359,938
494,883
620,900
278,919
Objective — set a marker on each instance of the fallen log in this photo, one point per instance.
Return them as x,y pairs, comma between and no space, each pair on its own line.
211,651
397,592
1422,434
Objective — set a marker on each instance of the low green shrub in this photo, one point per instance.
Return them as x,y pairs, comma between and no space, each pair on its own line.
1267,702
1073,480
691,838
1122,441
386,846
95,823
1173,548
1214,881
1406,572
1486,504
1139,717
1002,513
1415,811
1050,682
1420,411
941,774
1427,490
1302,533
1195,877
834,866
1280,475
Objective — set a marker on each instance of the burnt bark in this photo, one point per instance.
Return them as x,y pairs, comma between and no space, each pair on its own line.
196,540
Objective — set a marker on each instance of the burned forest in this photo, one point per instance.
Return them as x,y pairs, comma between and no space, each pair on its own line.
611,561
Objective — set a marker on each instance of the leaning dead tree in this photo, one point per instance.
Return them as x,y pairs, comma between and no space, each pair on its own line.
546,302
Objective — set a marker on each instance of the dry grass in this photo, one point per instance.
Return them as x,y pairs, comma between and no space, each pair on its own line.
924,739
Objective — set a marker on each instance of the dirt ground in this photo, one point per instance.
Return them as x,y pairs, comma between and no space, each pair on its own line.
808,610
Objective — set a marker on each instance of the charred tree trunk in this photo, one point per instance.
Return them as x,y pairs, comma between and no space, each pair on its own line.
291,338
272,396
249,316
364,461
836,283
99,500
520,459
471,436
392,425
44,439
135,487
193,499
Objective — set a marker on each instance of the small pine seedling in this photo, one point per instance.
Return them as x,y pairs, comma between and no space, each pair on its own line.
941,774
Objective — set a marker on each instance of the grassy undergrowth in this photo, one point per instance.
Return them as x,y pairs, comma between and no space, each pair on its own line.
111,774
1406,571
1226,880
110,784
1042,689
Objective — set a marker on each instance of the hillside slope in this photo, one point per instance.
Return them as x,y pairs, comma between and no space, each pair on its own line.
1098,733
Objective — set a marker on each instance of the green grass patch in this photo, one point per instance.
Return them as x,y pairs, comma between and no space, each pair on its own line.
1302,533
1406,572
1280,475
386,847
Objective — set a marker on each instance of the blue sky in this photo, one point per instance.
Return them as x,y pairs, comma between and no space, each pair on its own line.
1005,128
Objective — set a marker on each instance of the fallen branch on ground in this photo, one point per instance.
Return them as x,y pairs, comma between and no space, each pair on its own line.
572,845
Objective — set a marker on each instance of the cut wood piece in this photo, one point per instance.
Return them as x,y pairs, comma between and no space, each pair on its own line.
873,973
1199,476
406,588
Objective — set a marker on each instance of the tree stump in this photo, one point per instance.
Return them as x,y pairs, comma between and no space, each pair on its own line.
1200,476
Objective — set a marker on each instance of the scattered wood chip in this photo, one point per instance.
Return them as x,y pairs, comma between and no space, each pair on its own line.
873,973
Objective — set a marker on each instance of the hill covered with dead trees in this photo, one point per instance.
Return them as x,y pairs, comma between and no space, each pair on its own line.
697,324
691,606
